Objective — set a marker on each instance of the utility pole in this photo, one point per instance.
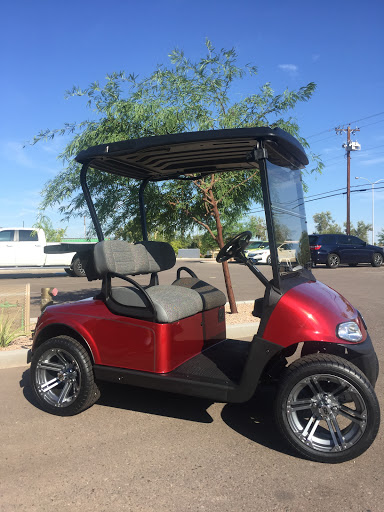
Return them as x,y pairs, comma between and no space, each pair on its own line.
349,146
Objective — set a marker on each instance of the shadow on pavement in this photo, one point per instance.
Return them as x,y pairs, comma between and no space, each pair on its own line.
25,384
343,266
253,420
154,402
140,400
33,275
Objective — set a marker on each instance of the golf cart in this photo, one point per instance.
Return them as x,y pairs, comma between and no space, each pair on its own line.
173,337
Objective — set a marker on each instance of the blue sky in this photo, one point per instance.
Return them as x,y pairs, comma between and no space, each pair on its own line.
47,47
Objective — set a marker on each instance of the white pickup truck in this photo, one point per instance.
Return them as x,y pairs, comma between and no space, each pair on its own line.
27,247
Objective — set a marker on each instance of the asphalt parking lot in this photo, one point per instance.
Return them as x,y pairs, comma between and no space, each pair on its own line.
142,450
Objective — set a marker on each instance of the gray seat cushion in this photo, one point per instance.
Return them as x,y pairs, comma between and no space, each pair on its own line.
211,296
171,303
133,259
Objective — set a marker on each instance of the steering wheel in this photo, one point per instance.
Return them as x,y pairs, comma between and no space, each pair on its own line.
234,246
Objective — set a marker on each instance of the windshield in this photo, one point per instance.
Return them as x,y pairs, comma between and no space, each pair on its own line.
257,245
288,217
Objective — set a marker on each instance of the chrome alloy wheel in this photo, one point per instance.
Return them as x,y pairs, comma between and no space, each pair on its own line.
377,259
58,377
334,260
326,413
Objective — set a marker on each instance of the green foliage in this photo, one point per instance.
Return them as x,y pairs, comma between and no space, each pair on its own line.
380,237
183,96
361,230
258,228
51,234
8,333
324,223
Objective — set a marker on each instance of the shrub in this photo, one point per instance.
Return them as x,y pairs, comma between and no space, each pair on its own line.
8,333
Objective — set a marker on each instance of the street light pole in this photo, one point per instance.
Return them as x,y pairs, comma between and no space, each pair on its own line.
373,183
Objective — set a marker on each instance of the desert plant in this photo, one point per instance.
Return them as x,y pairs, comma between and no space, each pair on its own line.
8,332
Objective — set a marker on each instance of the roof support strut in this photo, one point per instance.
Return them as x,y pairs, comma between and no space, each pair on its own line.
88,199
143,214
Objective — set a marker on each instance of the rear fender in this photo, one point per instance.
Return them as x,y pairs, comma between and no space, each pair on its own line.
77,332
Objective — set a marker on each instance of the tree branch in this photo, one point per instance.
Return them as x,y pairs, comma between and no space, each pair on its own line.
237,186
200,222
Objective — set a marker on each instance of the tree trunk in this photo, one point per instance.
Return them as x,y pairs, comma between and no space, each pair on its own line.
228,285
227,276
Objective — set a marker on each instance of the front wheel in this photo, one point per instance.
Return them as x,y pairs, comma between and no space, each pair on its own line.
377,260
326,409
333,260
62,377
269,261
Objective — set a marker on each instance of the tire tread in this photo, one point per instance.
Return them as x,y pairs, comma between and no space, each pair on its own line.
330,362
91,394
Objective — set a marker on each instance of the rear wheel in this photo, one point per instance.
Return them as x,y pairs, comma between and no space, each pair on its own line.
327,409
377,260
77,267
62,377
333,260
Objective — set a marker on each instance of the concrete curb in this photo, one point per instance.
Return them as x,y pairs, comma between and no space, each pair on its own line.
238,331
13,358
18,357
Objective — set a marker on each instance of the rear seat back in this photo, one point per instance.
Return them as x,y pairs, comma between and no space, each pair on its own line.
121,257
161,303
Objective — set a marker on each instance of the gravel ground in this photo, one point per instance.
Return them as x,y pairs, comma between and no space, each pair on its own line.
244,315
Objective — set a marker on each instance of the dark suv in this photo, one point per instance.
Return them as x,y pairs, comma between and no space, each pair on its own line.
335,249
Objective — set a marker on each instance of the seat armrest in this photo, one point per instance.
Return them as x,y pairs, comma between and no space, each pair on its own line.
186,269
107,286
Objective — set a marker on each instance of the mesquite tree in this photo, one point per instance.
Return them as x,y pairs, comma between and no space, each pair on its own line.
181,97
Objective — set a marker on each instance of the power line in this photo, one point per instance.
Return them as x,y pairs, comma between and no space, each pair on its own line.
326,197
358,157
370,124
321,140
343,124
368,117
342,193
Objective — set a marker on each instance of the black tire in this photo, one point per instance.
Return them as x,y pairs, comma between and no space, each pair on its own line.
333,260
62,377
269,261
377,260
312,414
77,267
70,272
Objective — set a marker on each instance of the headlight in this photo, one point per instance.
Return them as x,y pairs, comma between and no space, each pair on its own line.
349,331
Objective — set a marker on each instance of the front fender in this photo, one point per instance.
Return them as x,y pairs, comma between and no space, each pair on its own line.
310,311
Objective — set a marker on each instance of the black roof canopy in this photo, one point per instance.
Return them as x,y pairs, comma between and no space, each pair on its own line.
166,156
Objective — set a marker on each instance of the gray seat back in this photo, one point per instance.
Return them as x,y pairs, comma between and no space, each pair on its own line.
128,259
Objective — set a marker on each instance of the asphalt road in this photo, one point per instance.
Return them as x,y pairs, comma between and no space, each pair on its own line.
141,450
